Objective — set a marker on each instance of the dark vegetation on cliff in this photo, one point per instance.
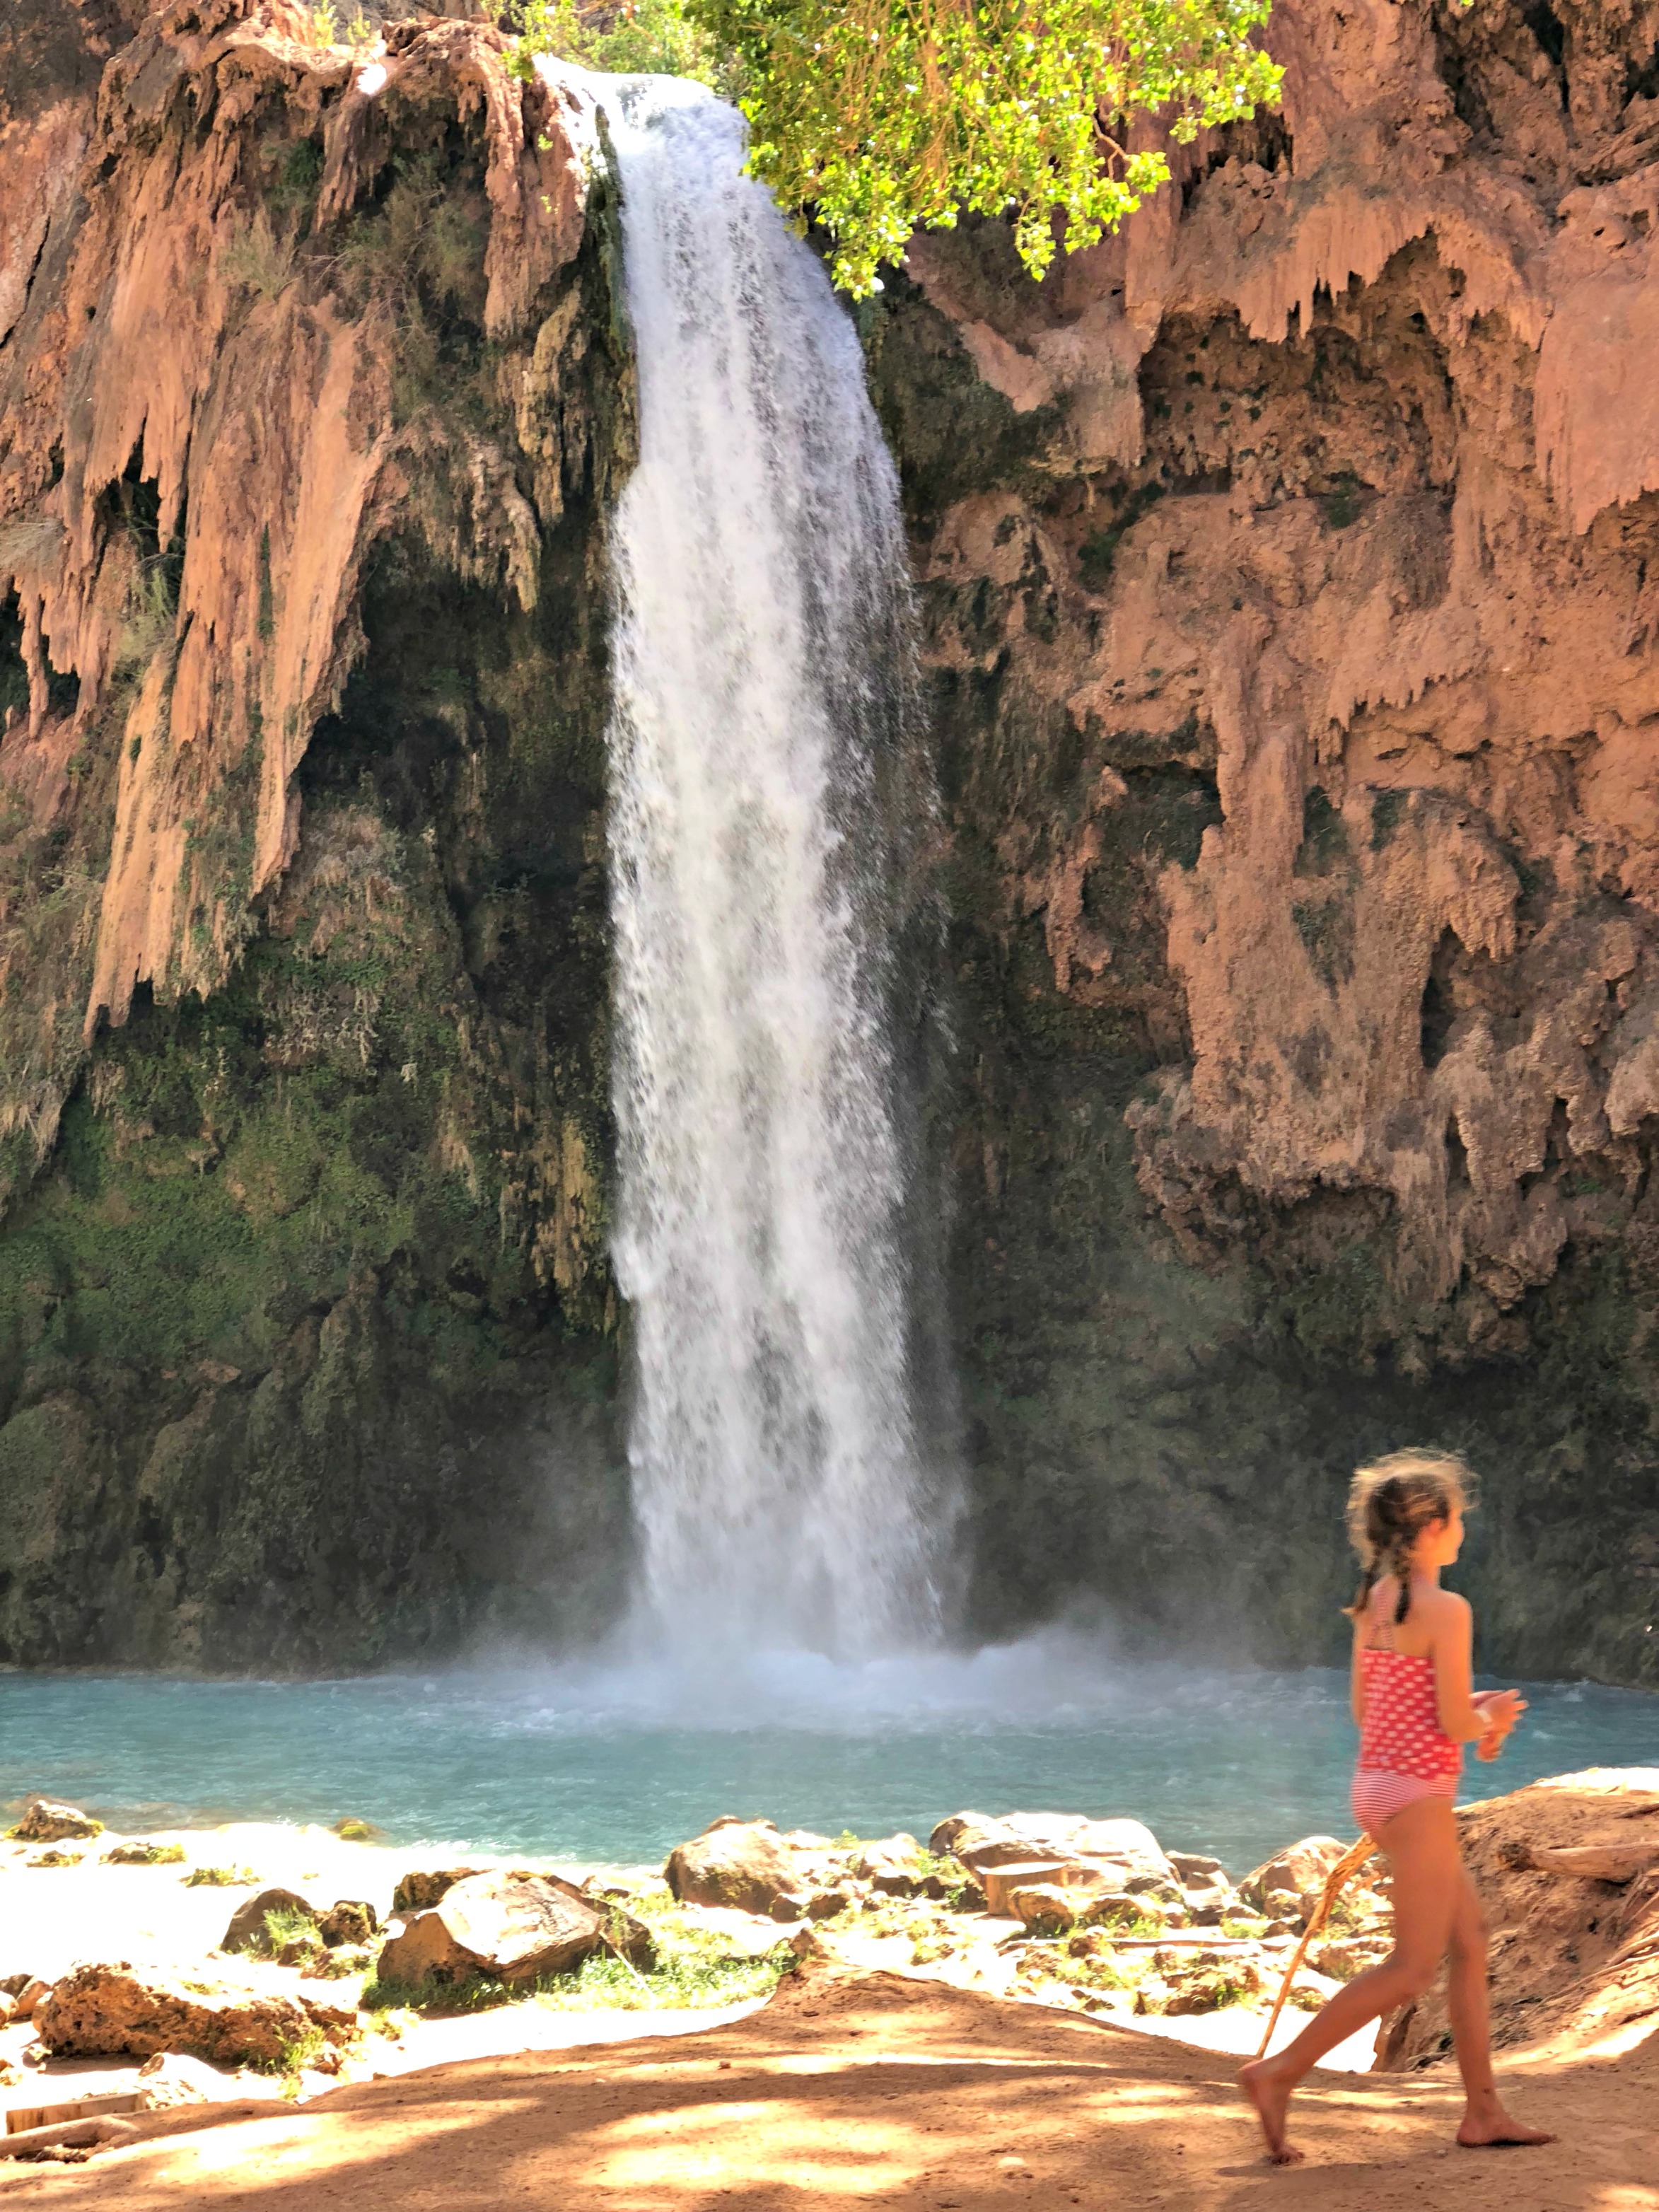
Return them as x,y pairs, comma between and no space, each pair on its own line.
1286,568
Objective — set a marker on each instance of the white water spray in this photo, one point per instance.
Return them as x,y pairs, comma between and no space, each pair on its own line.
761,672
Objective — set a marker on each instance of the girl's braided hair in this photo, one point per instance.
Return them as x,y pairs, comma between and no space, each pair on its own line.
1390,1504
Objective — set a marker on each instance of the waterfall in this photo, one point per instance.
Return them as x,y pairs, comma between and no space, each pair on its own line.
762,643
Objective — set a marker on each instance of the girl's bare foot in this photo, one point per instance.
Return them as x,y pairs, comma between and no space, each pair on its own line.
1489,2127
1269,2091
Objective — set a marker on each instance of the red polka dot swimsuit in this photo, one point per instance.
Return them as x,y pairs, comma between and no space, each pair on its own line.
1404,1752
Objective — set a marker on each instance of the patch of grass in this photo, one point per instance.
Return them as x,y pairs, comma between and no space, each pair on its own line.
259,258
221,1877
295,2055
285,1925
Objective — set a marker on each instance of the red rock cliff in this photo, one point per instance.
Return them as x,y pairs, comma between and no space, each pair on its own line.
1292,564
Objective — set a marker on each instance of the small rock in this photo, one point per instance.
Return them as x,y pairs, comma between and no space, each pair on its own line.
247,1930
741,1863
348,1920
145,1854
104,2010
29,1996
46,1821
57,1858
1345,1956
419,1892
8,2007
352,1830
169,2078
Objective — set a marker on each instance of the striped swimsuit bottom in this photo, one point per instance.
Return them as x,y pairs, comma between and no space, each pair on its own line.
1404,1754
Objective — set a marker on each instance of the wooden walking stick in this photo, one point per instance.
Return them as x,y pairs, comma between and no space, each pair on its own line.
1349,1863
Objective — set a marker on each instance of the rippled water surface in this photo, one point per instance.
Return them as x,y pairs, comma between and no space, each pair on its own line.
617,1763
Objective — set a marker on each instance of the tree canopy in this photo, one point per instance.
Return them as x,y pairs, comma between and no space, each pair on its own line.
883,116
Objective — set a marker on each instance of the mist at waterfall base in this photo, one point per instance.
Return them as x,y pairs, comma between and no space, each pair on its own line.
614,1762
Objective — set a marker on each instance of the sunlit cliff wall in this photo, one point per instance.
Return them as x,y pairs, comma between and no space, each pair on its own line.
1291,575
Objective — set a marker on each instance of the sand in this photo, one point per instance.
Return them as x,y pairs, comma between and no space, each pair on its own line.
872,2090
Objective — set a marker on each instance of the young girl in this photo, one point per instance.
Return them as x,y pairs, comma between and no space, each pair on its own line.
1412,1648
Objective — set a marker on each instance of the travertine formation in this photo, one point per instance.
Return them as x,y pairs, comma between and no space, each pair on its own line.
311,399
1368,402
1289,567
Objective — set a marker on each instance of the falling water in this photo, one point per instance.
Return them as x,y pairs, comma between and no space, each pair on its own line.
780,1482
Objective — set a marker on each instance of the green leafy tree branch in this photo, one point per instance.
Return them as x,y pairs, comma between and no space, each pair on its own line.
884,117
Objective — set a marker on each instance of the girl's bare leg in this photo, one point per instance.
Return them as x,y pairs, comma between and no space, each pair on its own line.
1421,1842
1484,2123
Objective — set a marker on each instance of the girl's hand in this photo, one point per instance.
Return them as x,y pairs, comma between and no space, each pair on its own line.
1499,1710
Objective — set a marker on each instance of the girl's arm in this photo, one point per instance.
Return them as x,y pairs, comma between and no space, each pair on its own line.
1454,1667
1461,1719
1357,1675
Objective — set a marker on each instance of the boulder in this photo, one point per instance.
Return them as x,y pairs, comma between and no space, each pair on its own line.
890,1866
514,1928
742,1863
419,1891
1286,1886
46,1821
247,1930
1043,1905
348,1920
1195,1871
169,2078
1121,1848
105,2009
944,1838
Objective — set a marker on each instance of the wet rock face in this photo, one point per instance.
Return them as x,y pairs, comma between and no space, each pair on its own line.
310,406
1286,568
